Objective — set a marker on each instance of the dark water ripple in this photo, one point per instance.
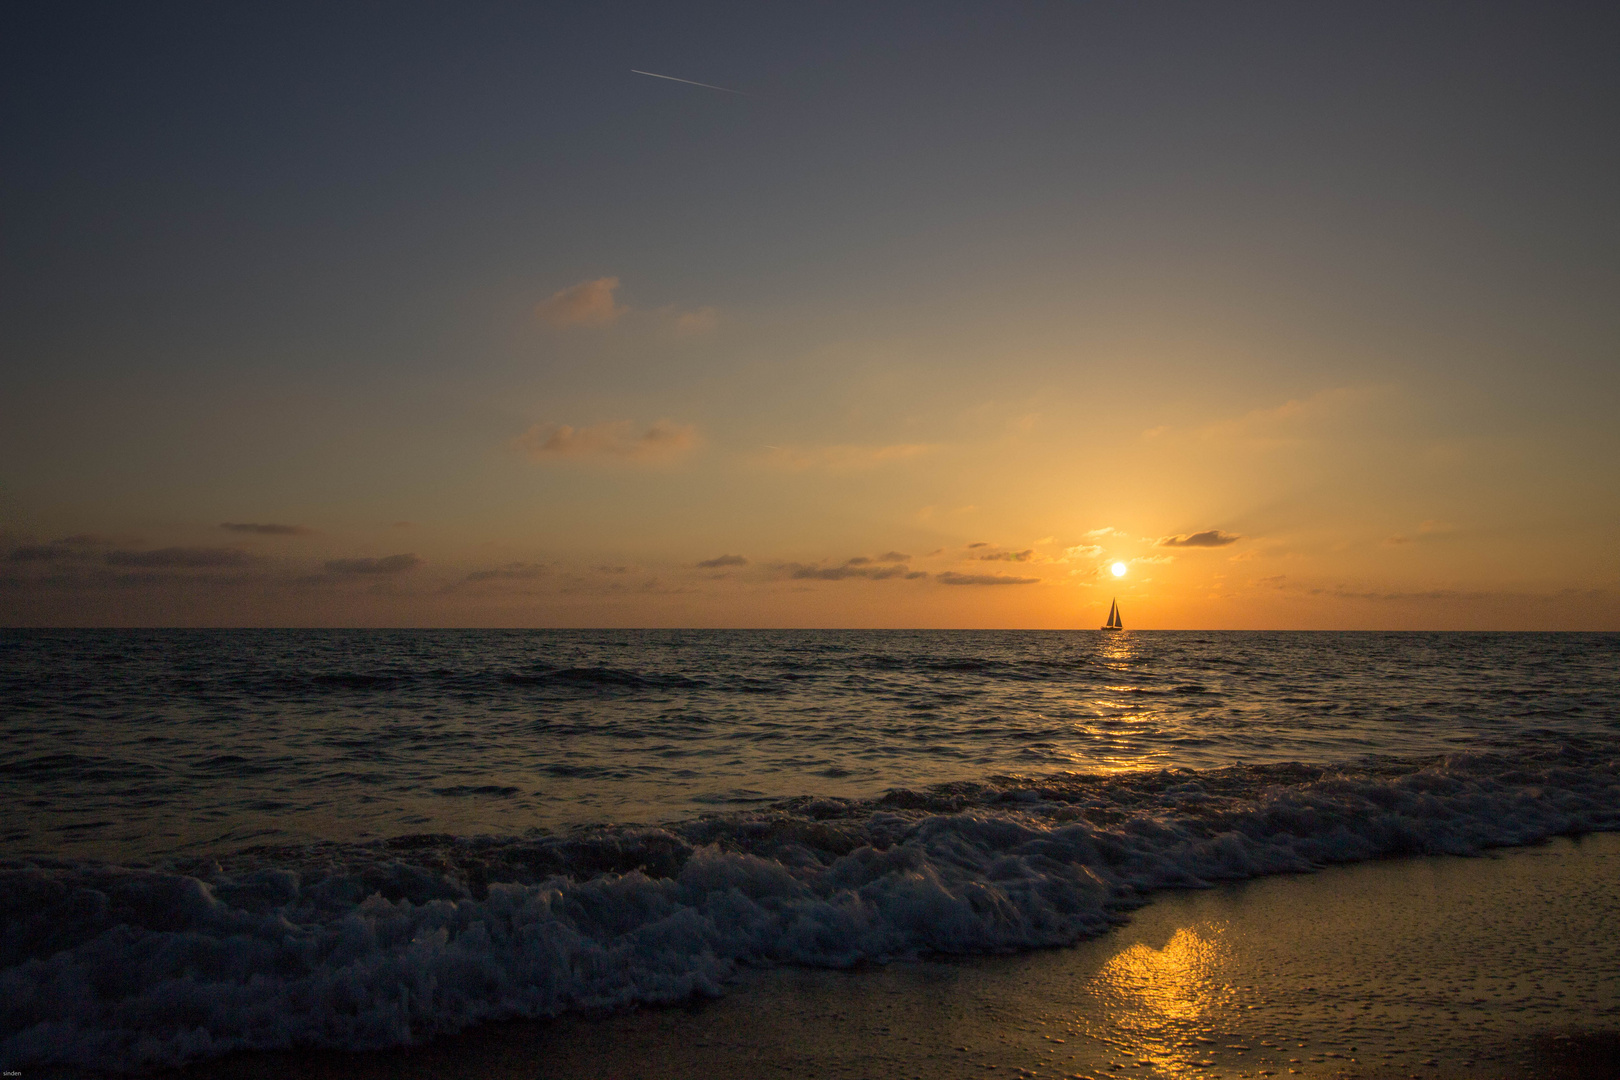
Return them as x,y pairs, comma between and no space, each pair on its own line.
125,743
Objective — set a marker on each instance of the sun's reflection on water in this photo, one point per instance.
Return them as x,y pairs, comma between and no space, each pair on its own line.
1117,650
1121,719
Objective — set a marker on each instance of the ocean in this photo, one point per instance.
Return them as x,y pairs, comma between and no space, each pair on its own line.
256,839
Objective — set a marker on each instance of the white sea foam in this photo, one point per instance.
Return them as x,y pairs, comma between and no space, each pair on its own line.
118,969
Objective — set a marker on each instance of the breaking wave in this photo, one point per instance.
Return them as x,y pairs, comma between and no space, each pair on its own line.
361,946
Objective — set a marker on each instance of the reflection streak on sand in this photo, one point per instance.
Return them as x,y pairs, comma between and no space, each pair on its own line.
1163,999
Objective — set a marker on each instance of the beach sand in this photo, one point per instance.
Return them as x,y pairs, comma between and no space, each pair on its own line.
1501,966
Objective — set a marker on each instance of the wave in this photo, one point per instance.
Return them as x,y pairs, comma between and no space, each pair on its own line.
120,968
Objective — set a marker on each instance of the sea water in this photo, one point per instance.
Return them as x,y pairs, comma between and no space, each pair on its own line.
227,839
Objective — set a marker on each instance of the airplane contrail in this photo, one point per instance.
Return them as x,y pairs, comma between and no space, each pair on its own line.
688,82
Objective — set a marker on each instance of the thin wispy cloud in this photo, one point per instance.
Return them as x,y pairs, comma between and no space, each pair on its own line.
181,558
1426,530
844,457
950,577
1295,421
1007,556
590,303
860,566
690,323
513,571
1210,538
265,529
613,440
77,546
387,564
41,553
594,303
720,561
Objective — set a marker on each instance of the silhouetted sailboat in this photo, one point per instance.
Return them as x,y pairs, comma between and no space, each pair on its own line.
1113,618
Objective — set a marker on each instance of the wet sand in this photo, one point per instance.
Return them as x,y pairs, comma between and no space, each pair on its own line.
1502,966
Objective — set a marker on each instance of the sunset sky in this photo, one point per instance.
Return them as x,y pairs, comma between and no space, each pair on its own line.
439,315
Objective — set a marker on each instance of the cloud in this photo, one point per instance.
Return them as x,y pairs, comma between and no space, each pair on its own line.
183,558
893,556
515,571
266,529
844,457
1210,538
590,303
41,553
952,578
1106,530
1296,420
613,439
884,568
1426,531
1008,556
1083,551
692,323
723,560
68,547
388,564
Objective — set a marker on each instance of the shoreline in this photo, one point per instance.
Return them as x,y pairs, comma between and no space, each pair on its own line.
1490,966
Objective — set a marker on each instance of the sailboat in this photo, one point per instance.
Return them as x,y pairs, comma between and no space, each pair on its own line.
1113,618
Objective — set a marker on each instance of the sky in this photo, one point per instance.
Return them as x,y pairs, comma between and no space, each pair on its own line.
1306,315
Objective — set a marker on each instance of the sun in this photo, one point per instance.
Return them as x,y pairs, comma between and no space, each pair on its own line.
1118,569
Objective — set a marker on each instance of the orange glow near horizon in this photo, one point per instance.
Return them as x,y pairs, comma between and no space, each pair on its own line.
439,382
